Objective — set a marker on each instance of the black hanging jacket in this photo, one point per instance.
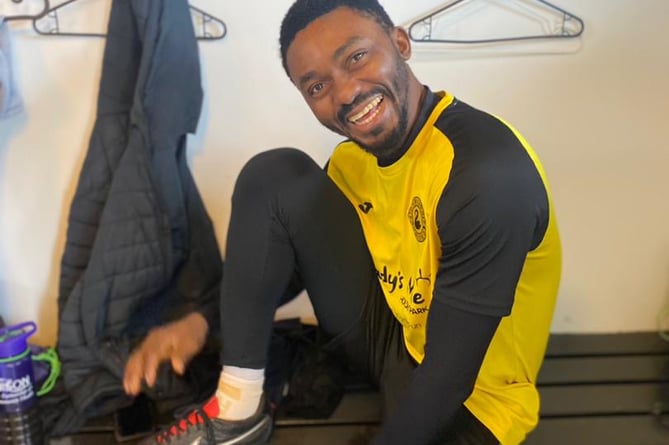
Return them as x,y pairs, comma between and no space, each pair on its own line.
141,249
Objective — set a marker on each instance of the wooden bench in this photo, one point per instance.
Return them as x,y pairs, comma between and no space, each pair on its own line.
604,389
595,389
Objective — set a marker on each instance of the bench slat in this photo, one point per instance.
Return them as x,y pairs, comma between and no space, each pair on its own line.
613,430
560,345
574,370
587,400
317,435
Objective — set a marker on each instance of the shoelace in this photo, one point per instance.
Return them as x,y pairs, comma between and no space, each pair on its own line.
196,419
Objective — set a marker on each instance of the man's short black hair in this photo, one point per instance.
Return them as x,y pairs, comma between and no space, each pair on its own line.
303,12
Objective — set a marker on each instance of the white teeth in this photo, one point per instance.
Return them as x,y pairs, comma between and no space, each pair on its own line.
370,106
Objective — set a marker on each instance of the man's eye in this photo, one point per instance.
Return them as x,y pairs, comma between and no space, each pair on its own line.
357,56
315,89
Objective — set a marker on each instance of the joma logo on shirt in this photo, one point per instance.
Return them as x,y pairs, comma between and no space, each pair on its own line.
416,216
366,207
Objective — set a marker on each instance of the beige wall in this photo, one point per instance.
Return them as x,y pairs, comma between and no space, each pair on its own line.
594,109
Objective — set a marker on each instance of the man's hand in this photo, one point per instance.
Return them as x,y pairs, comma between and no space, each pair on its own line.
177,342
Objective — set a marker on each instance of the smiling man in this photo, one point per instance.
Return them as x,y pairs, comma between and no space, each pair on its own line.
428,246
357,85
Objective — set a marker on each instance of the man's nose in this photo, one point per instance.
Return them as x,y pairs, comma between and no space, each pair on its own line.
347,89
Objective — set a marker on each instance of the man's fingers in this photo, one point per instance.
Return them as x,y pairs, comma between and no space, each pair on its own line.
150,368
162,344
182,355
134,370
142,366
178,365
184,352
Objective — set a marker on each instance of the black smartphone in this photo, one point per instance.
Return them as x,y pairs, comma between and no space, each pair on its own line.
135,421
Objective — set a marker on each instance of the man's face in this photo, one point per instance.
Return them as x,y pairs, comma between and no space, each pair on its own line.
354,77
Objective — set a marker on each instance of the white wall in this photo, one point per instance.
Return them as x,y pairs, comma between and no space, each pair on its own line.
594,109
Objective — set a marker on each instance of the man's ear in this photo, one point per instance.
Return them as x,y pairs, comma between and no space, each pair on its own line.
402,42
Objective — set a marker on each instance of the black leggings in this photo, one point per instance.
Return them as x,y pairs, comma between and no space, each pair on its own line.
289,222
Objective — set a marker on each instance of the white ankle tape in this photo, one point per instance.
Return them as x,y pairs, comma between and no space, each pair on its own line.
238,398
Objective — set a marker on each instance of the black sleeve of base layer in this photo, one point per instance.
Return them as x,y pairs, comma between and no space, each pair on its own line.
456,345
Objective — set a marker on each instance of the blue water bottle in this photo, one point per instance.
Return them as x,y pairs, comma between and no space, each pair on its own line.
20,422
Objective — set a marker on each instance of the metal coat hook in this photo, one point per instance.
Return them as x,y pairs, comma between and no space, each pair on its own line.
54,30
47,23
421,30
209,22
37,16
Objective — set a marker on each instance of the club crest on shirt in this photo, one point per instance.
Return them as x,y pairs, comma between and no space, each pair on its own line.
417,219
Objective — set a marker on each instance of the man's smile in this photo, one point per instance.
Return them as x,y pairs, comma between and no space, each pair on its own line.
369,111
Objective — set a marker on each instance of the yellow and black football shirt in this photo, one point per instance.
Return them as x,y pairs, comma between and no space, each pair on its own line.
465,218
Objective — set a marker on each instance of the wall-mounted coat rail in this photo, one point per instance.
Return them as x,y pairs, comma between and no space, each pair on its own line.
425,29
47,22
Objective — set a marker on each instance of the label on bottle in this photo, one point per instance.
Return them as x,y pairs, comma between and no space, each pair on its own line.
17,392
